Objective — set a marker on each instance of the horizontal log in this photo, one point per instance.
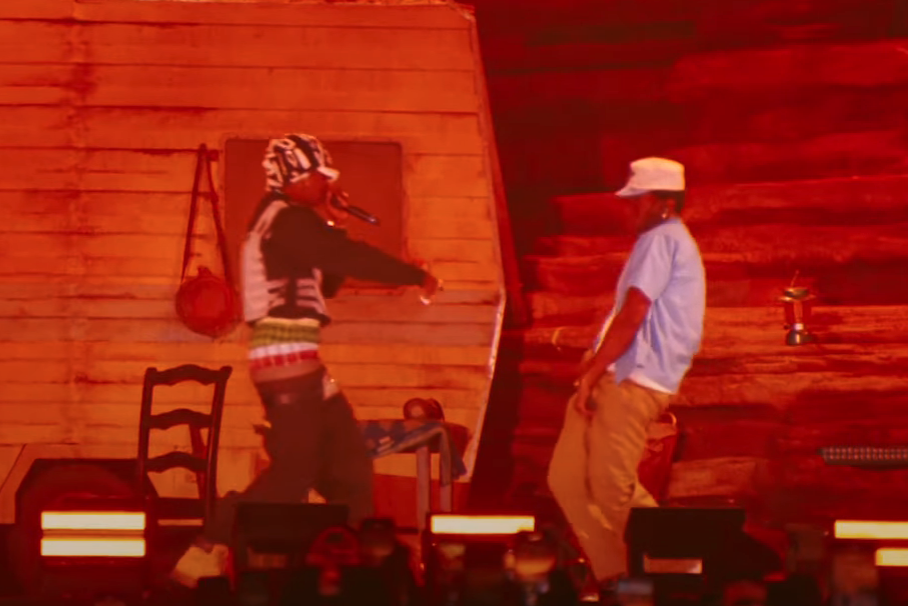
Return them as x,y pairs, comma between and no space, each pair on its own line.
876,423
725,117
847,419
231,88
878,360
600,38
746,331
762,243
868,64
854,201
829,156
603,74
527,52
179,128
839,155
878,152
426,176
721,477
515,93
208,45
805,472
548,308
557,309
730,284
791,390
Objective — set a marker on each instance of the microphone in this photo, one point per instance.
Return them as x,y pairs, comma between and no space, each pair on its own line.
359,213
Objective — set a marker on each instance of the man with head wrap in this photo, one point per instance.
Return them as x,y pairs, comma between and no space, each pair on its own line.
294,257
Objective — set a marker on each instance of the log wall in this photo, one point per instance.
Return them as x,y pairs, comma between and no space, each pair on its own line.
796,152
104,103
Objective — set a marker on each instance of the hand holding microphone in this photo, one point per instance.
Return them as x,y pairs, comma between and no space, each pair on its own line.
430,284
430,287
339,201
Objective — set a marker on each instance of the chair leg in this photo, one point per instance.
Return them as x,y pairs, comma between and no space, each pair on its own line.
423,485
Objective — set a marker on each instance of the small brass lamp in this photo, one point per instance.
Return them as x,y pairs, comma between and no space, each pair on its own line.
798,302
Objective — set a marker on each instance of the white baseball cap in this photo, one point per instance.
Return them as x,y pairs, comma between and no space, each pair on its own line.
653,174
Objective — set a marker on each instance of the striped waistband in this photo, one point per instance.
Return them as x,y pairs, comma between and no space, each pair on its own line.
278,360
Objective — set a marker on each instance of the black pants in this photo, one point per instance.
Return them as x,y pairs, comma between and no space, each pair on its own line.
313,443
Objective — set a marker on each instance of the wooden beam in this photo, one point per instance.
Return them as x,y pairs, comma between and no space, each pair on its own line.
725,116
731,328
767,242
858,200
330,46
516,308
731,284
402,15
867,64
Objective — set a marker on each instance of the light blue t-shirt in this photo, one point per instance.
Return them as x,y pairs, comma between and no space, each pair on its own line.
665,265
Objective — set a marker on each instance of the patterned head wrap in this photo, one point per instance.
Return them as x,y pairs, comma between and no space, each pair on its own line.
290,159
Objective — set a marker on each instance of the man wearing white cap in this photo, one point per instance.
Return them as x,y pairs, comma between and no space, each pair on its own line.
641,355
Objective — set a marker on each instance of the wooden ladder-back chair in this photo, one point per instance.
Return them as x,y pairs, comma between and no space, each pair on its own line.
203,460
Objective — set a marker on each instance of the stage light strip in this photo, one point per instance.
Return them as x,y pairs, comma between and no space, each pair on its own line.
891,557
93,548
866,530
480,525
672,565
93,520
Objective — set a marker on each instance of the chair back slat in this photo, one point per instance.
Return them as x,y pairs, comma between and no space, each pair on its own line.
204,458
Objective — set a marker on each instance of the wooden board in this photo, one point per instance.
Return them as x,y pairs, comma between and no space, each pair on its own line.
170,128
401,15
426,176
89,268
236,88
337,46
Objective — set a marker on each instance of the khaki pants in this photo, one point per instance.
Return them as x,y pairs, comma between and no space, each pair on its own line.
593,472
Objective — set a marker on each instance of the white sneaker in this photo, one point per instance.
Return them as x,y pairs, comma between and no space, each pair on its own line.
198,563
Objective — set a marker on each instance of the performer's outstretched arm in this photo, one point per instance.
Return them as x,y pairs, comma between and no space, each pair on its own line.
305,237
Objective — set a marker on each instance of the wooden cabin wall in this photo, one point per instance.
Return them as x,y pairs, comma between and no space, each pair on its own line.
104,103
795,139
